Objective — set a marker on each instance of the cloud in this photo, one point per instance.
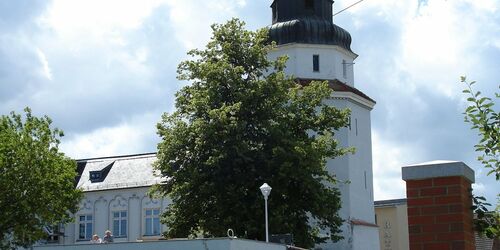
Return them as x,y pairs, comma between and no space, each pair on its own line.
191,18
136,135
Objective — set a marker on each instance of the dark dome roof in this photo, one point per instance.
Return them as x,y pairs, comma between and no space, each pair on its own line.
310,30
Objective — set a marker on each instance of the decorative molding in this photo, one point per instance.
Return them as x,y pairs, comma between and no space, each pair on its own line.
86,205
354,98
119,201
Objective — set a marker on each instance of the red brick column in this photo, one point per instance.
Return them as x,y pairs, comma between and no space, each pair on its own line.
439,206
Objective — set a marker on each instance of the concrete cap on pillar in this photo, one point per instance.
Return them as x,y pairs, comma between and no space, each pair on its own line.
436,169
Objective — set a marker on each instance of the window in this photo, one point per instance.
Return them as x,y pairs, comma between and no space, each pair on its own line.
309,4
275,11
120,223
356,121
100,175
53,233
95,176
316,63
366,187
344,68
152,222
85,227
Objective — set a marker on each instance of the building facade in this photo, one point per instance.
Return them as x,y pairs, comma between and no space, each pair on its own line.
392,218
116,199
317,49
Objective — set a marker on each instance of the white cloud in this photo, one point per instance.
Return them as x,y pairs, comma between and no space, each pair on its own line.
129,137
45,69
100,21
191,18
388,159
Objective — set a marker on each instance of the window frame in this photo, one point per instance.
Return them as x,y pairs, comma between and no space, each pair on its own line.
309,4
344,68
152,218
86,223
117,232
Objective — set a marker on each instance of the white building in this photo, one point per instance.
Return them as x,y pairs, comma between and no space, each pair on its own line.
320,50
116,199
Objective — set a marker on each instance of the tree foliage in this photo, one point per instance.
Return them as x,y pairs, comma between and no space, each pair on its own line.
36,180
242,122
484,119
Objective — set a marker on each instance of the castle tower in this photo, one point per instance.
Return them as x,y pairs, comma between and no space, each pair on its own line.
320,50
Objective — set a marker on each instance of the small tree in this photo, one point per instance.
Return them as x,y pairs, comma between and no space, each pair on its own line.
36,180
481,114
239,125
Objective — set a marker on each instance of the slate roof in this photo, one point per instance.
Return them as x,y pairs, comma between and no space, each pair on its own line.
126,172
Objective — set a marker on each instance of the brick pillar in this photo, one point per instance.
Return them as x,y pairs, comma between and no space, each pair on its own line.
439,206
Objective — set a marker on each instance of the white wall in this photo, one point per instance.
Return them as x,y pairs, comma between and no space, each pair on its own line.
357,198
101,204
300,62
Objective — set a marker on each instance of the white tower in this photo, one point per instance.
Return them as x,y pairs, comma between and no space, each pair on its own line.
320,50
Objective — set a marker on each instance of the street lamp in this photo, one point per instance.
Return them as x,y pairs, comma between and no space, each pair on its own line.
266,190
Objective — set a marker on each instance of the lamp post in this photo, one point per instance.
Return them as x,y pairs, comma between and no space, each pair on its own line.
266,190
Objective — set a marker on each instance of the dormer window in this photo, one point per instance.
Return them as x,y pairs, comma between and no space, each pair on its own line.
95,176
309,4
100,175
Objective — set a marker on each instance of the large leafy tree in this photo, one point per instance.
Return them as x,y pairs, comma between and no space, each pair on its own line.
483,117
36,180
242,122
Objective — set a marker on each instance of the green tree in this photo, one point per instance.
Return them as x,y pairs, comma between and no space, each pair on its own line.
486,121
240,123
36,180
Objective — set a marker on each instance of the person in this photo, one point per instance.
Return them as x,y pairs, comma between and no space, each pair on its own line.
108,237
95,239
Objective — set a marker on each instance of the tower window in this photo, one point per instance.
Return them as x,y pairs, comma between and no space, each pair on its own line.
356,121
366,186
344,68
275,11
316,63
309,4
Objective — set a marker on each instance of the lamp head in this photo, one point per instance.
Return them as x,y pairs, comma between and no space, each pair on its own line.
266,190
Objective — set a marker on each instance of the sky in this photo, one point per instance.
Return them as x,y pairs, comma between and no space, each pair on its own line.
105,71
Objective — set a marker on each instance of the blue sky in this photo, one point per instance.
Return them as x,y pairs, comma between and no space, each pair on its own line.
104,70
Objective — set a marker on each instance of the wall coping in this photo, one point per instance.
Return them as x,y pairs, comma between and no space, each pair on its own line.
436,169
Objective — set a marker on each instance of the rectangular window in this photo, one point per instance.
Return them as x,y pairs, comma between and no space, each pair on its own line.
316,63
85,227
356,121
120,223
344,68
152,222
366,187
309,4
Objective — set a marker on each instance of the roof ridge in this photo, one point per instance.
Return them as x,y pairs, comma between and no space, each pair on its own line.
131,156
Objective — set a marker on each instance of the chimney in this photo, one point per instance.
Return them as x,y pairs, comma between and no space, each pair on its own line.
439,205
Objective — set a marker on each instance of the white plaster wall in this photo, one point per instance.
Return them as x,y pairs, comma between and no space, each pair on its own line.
366,238
300,62
101,204
360,164
357,199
